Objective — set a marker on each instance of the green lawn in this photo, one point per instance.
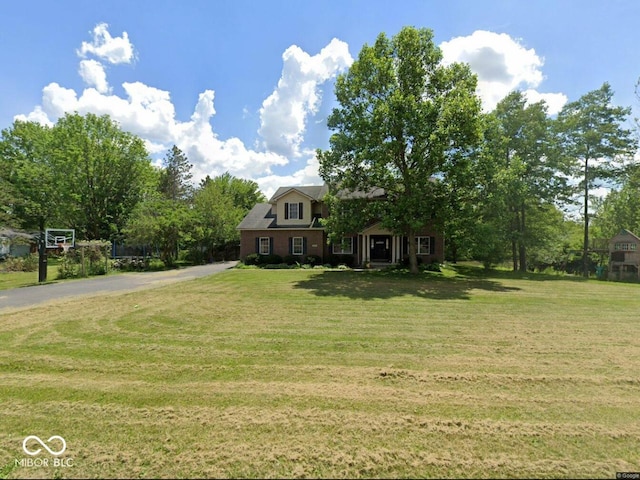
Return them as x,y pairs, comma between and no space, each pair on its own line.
308,373
26,279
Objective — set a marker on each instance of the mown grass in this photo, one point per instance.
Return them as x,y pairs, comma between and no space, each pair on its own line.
303,373
26,279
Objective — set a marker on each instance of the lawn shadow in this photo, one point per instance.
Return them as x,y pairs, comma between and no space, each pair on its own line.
369,285
470,271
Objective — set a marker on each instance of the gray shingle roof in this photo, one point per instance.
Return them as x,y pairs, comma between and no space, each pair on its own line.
315,192
258,218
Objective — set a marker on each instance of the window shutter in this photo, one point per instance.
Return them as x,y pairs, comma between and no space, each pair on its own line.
286,211
304,244
300,211
432,245
270,245
290,245
257,244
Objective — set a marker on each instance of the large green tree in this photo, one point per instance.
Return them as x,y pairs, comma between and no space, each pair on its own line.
161,223
594,142
35,192
523,173
105,173
621,207
220,203
403,115
175,176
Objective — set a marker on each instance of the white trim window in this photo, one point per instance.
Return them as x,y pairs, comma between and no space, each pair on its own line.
423,245
265,245
626,246
293,211
297,246
344,247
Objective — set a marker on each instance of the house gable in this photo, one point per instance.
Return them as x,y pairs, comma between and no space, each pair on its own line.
624,241
294,209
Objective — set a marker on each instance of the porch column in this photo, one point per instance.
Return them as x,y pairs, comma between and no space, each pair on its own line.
393,249
365,248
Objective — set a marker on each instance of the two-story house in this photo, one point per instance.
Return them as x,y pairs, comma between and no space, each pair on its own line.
624,256
289,224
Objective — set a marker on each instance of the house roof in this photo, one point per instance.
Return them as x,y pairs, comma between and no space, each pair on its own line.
313,192
258,218
624,232
9,233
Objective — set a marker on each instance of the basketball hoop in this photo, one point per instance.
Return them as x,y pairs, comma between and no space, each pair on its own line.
60,238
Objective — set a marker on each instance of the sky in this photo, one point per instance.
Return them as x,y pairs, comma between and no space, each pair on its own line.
245,86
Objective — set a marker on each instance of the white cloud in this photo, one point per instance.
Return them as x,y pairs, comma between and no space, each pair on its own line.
308,175
149,112
554,101
285,112
94,75
115,50
502,65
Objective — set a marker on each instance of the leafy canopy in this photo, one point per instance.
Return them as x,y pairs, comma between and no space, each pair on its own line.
404,117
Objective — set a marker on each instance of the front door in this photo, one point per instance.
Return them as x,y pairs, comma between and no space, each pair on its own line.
380,248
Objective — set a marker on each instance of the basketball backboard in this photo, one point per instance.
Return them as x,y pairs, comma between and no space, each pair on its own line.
60,237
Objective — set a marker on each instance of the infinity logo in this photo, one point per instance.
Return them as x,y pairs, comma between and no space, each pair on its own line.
36,452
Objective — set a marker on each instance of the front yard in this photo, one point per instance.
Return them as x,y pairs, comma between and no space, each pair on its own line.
294,373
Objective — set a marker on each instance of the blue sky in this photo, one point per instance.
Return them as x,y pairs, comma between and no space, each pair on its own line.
245,86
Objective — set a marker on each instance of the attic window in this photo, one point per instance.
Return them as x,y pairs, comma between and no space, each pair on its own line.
626,246
293,211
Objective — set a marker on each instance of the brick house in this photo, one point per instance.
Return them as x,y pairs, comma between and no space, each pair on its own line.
624,256
289,224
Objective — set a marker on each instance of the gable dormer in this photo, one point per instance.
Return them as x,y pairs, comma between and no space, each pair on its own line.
293,207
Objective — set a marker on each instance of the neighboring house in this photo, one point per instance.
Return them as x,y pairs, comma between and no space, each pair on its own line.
624,256
289,224
15,244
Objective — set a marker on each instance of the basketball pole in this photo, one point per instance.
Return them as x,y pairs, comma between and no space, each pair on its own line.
42,257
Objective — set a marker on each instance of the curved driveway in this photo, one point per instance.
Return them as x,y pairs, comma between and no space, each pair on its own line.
31,296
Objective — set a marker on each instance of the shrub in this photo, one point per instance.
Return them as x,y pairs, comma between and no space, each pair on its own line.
432,267
13,264
30,263
134,264
277,266
68,267
292,259
313,260
269,259
335,260
155,264
251,259
20,264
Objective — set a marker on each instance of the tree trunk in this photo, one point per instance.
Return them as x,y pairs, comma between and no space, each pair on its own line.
522,246
515,227
585,246
413,254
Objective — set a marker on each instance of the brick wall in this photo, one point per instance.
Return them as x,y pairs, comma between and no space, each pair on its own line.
316,241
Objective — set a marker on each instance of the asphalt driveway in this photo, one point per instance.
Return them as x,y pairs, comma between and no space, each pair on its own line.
25,297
